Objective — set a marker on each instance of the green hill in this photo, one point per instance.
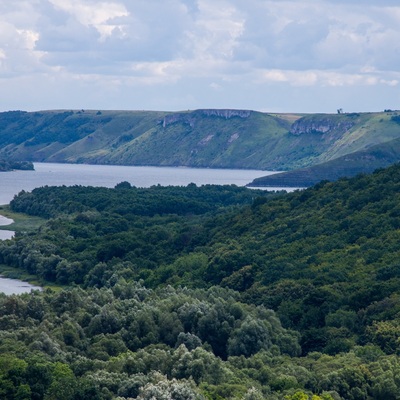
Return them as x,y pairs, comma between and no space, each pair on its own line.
364,161
201,138
212,292
307,254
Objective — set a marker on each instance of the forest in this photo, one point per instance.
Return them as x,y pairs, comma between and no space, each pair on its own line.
210,292
6,166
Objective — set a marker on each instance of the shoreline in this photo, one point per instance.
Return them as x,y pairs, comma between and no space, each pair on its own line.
5,233
10,286
5,221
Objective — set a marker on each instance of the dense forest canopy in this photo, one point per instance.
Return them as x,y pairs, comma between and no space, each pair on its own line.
214,292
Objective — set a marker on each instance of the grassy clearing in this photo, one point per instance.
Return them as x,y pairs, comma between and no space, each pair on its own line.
22,222
288,117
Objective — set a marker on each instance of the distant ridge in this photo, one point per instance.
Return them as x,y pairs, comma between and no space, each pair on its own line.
365,161
318,146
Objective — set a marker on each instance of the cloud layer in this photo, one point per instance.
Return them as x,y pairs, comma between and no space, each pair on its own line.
178,54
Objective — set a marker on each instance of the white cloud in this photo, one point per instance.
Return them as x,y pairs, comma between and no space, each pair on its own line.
216,30
192,47
324,78
93,13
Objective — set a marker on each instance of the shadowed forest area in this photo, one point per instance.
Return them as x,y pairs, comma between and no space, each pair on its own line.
211,292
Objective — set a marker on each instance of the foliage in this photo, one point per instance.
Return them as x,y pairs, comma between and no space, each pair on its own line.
6,165
325,258
123,342
207,292
87,336
181,236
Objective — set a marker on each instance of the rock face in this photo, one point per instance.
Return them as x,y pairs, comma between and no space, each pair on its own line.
190,118
227,113
223,138
321,125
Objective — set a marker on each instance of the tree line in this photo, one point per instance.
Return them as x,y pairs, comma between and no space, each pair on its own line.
214,291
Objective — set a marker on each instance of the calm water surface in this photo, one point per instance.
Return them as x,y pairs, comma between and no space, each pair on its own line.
15,286
11,183
4,221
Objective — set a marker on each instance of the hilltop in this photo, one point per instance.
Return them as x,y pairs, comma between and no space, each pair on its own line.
205,138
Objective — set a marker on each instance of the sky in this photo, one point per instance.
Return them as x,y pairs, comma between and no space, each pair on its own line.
308,56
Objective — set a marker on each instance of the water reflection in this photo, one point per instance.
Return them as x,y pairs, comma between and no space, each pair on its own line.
4,234
15,286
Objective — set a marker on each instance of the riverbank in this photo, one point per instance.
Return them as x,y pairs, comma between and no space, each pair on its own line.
5,233
12,280
10,286
8,166
20,222
10,273
16,273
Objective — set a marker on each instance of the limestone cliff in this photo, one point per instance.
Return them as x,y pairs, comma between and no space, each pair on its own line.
219,138
190,118
321,125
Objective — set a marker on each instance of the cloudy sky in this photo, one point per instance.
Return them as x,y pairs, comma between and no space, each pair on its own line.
266,55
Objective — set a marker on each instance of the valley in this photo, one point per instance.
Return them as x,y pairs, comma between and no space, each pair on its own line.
312,145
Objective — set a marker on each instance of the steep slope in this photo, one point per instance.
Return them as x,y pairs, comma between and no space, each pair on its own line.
364,161
220,138
201,138
66,136
208,138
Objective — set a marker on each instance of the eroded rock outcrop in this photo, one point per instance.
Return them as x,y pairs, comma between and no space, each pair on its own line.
191,117
321,125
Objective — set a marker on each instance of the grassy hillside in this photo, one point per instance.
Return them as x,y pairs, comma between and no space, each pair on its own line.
364,161
66,136
201,138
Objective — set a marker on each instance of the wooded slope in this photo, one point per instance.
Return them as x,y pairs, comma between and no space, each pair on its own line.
307,254
214,292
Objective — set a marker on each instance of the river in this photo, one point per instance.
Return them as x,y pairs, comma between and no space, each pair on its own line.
4,221
15,286
109,175
51,174
12,286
